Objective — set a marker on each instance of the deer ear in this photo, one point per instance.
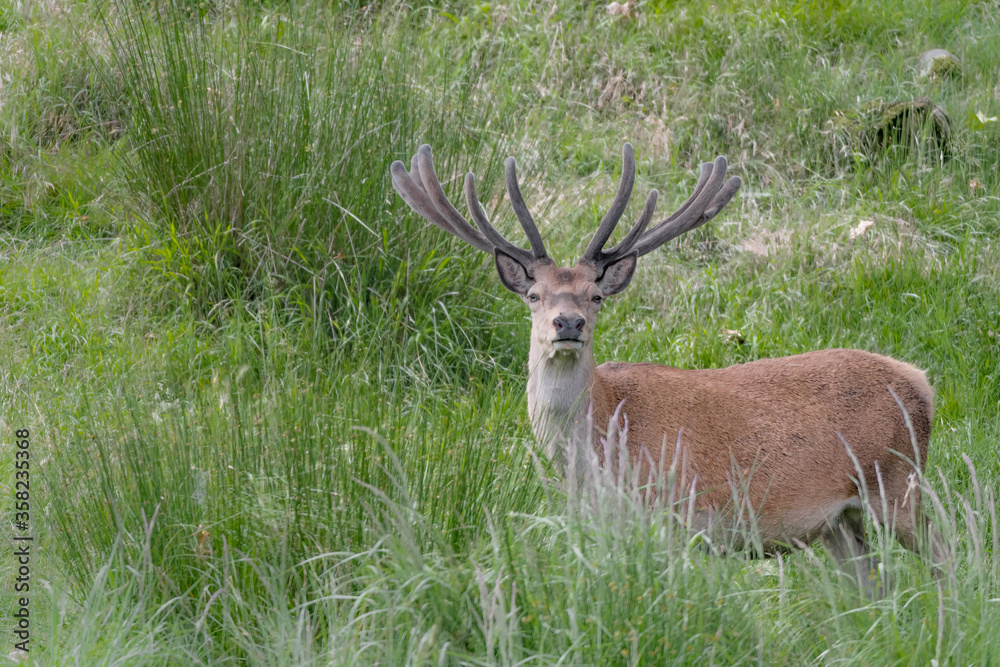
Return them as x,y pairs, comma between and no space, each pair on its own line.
618,275
513,275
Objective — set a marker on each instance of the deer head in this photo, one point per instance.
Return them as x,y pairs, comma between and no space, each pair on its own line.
564,302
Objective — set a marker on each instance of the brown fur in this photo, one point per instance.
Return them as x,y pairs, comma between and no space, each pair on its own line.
771,428
763,439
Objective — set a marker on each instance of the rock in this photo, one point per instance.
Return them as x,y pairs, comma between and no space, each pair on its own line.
906,124
939,64
881,128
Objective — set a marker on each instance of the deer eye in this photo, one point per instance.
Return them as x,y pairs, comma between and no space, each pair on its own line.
533,298
597,299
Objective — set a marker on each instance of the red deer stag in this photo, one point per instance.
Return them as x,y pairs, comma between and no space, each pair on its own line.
795,433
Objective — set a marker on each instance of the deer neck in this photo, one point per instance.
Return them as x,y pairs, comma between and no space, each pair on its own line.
560,387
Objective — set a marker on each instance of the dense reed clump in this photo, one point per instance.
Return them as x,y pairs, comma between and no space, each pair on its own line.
260,141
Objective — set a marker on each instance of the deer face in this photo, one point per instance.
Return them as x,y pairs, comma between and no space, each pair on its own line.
564,302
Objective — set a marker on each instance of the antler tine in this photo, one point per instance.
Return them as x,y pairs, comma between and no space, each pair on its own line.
415,197
492,235
521,211
709,197
460,227
726,193
411,187
610,221
415,171
422,191
706,172
625,247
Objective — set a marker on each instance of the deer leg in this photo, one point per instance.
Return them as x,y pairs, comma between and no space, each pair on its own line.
844,539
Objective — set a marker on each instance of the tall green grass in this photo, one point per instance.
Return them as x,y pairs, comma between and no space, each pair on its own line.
280,420
250,143
56,107
603,577
262,142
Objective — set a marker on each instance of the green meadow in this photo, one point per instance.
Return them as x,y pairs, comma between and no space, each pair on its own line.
277,419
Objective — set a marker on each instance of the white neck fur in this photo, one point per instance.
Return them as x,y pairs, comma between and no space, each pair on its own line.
559,396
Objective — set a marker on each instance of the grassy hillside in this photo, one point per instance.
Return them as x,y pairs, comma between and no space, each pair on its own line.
277,419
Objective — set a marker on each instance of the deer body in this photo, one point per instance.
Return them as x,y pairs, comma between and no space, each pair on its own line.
784,441
765,432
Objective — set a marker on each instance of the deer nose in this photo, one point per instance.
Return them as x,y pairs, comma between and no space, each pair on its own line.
569,326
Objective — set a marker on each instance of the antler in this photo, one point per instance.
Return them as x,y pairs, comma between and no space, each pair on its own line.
710,196
421,189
